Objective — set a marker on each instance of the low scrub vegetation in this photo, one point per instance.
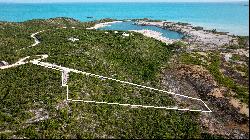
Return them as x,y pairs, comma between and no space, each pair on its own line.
29,91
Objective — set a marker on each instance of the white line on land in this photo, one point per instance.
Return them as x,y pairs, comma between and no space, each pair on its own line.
20,62
66,70
142,106
64,83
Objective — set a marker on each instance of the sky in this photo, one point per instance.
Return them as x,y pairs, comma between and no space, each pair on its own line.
49,1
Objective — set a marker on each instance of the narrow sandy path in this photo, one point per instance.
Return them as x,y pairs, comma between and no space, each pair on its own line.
22,61
35,39
19,62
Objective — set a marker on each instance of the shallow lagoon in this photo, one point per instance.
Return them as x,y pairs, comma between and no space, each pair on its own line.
125,26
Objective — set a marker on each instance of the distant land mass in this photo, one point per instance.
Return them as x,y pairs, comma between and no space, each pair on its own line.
226,17
62,78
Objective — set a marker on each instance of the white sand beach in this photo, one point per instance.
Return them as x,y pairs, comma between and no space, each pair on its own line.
101,25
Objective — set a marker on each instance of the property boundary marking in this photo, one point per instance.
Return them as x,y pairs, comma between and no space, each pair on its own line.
65,77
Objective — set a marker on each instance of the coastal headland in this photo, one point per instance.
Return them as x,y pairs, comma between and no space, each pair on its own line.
206,65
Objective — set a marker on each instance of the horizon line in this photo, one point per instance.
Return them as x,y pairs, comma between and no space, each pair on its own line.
133,2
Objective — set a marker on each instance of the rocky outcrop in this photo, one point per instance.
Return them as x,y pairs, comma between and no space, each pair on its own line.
196,37
226,119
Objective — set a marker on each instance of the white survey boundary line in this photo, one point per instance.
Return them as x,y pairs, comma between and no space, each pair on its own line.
60,68
67,70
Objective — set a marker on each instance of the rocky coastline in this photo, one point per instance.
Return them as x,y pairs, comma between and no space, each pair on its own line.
195,37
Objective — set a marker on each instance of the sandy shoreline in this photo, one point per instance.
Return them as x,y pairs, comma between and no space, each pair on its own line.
101,25
155,35
148,33
195,37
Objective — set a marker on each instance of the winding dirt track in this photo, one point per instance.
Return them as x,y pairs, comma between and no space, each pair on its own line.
22,60
34,37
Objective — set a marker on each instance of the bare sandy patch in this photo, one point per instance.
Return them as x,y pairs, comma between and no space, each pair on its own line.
243,108
217,92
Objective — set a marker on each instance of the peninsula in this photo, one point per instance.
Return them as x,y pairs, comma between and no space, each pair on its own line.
62,78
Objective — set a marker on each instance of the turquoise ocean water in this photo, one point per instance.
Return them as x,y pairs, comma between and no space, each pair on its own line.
228,17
